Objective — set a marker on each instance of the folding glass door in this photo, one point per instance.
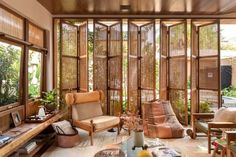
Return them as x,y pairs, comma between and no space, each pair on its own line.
173,66
205,69
141,63
107,64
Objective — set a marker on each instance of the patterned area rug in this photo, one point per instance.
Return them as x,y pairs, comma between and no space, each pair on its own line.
187,146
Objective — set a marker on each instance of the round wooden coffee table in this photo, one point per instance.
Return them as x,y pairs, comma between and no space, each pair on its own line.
110,153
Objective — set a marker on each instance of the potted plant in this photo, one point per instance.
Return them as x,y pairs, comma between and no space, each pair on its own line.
50,100
133,122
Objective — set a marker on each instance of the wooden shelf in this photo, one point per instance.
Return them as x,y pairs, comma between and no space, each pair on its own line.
34,129
40,145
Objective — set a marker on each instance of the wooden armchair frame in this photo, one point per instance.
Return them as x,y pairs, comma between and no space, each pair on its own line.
211,125
91,128
230,136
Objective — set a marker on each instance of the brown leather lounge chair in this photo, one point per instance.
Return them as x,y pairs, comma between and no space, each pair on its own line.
160,121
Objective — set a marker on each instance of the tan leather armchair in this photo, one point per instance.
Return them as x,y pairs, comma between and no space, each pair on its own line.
87,113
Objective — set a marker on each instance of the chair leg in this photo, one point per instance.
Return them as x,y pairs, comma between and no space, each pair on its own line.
118,130
209,140
91,138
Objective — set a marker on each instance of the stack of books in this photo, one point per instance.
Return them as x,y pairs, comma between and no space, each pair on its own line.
28,147
4,140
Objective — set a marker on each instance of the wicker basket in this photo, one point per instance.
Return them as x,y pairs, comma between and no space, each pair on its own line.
68,140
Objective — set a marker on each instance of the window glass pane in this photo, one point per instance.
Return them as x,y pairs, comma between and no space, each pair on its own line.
34,73
11,24
10,57
36,35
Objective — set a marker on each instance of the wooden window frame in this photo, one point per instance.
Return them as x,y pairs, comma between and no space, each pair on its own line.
26,46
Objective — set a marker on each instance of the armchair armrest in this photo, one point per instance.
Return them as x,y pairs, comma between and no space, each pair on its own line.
221,125
203,115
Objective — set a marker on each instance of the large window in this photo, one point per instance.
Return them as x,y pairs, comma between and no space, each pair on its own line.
10,57
34,74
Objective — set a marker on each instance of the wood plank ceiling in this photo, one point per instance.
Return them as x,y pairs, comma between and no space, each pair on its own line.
140,7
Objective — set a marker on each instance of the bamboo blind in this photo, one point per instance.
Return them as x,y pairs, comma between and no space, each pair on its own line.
11,24
36,35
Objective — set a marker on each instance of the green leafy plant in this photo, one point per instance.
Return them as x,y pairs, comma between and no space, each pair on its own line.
204,107
50,100
9,73
230,91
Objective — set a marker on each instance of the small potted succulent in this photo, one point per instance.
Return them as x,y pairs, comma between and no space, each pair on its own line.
50,100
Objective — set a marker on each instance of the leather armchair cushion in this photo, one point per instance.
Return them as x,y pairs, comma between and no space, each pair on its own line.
225,115
86,110
101,122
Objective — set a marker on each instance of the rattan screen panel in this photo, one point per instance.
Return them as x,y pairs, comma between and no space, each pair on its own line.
69,73
141,64
69,40
36,35
133,40
194,69
115,40
163,78
133,96
177,71
115,57
208,40
83,64
177,40
177,99
100,61
147,95
147,57
205,67
208,73
115,69
11,24
163,61
194,73
133,84
174,66
115,102
69,57
164,39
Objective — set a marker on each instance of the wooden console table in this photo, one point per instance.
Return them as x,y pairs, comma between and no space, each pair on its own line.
33,130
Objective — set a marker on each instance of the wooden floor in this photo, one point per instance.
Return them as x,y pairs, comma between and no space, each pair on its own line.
188,147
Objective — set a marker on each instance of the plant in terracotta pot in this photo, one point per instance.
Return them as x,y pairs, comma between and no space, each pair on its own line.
50,100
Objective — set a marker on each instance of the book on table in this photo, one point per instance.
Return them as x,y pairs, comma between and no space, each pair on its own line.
4,140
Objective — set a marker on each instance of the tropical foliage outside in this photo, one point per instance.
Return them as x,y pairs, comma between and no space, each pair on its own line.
10,57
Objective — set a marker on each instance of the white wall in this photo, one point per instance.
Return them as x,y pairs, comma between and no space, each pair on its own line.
34,11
